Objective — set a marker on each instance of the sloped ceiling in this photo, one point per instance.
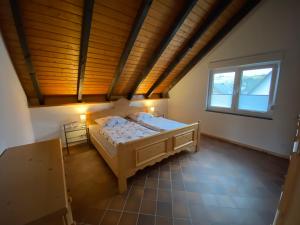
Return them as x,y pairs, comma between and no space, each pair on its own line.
74,50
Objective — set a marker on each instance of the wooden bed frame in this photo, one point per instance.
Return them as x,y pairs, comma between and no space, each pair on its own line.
138,154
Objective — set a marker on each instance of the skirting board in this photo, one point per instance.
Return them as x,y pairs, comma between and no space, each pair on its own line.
246,145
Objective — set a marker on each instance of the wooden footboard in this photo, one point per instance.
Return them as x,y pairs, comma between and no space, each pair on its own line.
112,161
138,154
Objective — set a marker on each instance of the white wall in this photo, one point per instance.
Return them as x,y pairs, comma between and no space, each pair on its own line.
15,122
273,26
47,121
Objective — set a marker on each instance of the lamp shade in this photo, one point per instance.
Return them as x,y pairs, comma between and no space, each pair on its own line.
152,109
83,117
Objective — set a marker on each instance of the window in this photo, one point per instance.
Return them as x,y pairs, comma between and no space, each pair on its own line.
222,89
244,90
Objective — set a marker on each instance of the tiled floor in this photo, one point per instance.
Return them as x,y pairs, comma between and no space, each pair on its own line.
222,184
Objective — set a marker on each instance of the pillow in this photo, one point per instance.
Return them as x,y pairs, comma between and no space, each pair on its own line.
138,116
111,121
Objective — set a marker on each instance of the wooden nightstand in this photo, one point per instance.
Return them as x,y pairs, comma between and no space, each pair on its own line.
76,132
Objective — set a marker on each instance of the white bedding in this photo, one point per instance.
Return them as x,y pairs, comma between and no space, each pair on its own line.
124,132
160,123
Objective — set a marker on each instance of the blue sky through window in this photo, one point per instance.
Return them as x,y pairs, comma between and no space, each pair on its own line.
223,84
255,89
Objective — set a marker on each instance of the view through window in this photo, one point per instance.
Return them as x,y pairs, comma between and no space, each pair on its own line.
248,90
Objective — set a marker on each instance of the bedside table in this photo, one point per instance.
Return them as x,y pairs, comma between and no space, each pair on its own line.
75,132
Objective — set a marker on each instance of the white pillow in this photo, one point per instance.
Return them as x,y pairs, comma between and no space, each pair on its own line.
111,121
138,116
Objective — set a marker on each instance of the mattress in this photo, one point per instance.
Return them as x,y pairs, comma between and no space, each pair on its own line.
160,123
112,136
127,132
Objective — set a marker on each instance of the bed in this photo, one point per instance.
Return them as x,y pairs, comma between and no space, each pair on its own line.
155,123
126,157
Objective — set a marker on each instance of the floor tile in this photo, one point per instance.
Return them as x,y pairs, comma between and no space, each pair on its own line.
225,201
148,207
209,200
178,185
181,210
133,204
151,183
164,184
150,194
153,174
164,195
117,202
146,220
136,192
128,219
111,218
181,222
223,215
179,197
163,220
193,197
164,209
199,213
165,175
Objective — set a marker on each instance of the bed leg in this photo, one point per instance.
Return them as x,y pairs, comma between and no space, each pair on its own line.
122,183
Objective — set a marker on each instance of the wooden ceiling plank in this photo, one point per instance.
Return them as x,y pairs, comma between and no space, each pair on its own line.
163,45
125,7
138,22
44,10
23,42
85,34
60,5
249,5
211,18
52,36
34,16
40,25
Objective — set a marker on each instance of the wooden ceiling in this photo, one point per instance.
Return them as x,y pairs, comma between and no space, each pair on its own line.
98,50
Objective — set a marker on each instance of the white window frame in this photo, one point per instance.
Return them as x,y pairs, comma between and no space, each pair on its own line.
275,65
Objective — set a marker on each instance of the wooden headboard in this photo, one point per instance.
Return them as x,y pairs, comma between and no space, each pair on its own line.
120,108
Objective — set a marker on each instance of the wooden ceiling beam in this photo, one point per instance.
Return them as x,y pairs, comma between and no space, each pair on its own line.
138,22
84,43
25,49
58,100
210,19
249,5
163,45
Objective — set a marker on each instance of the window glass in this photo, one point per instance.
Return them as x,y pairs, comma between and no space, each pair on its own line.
222,89
255,89
248,89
